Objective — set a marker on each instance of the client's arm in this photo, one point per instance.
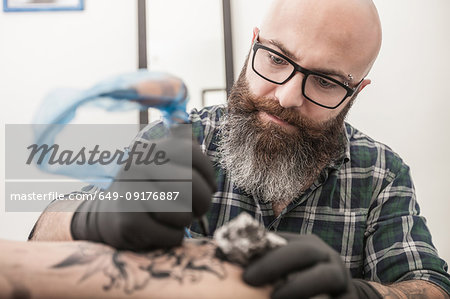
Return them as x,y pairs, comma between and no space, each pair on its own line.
89,270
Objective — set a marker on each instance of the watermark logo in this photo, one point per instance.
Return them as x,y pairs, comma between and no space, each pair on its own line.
108,163
140,154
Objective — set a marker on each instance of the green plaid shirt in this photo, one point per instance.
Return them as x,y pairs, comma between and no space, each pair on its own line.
364,207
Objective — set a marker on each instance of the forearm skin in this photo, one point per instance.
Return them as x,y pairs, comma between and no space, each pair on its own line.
412,289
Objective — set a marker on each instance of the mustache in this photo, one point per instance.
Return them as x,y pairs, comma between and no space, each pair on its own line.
272,107
241,101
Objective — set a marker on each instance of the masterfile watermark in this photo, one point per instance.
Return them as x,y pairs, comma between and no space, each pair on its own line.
133,174
140,154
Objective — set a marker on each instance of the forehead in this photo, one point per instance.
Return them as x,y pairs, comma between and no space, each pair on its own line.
319,35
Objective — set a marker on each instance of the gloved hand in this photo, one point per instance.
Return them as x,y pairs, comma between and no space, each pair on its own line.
147,230
304,268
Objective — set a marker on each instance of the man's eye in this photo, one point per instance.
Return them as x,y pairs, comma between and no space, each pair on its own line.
324,83
277,60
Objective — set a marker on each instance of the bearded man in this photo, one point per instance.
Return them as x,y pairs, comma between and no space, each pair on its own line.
283,153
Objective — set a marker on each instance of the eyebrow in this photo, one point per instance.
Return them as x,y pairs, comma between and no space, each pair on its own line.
323,71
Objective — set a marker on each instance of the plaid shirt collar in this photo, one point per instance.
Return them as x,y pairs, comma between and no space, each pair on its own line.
347,133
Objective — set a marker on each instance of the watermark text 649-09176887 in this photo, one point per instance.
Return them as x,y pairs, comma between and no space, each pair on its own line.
46,163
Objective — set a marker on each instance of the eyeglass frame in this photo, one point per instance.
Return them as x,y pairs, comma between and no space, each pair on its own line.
297,68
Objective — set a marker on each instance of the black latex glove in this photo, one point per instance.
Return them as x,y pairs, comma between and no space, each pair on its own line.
304,268
147,230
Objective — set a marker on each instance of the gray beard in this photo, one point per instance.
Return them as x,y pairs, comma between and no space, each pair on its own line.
265,160
275,178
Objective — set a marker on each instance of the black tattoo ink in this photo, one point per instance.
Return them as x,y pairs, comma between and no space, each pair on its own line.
75,259
132,272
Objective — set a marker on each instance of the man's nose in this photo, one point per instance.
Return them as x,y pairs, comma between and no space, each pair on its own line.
290,93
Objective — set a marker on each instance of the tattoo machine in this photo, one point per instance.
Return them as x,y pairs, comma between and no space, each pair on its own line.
171,104
138,90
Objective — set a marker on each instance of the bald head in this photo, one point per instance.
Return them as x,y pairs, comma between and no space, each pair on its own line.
344,34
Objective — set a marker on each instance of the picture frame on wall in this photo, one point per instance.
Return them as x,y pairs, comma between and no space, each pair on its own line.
42,5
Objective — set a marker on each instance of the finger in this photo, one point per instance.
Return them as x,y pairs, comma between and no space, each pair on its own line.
181,131
177,150
323,278
138,231
280,262
290,236
174,219
201,194
194,196
153,171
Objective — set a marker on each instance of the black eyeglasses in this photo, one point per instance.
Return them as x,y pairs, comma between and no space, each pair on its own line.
320,89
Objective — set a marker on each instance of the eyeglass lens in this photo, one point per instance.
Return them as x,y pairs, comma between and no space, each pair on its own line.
272,67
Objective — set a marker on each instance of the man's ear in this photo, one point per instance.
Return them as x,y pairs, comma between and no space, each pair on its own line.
255,33
364,83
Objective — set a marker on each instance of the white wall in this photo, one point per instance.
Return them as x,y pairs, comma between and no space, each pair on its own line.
407,106
188,44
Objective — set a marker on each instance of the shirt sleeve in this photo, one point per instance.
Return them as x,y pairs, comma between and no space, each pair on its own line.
398,242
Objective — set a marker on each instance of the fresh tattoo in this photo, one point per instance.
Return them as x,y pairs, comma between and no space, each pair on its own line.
133,271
